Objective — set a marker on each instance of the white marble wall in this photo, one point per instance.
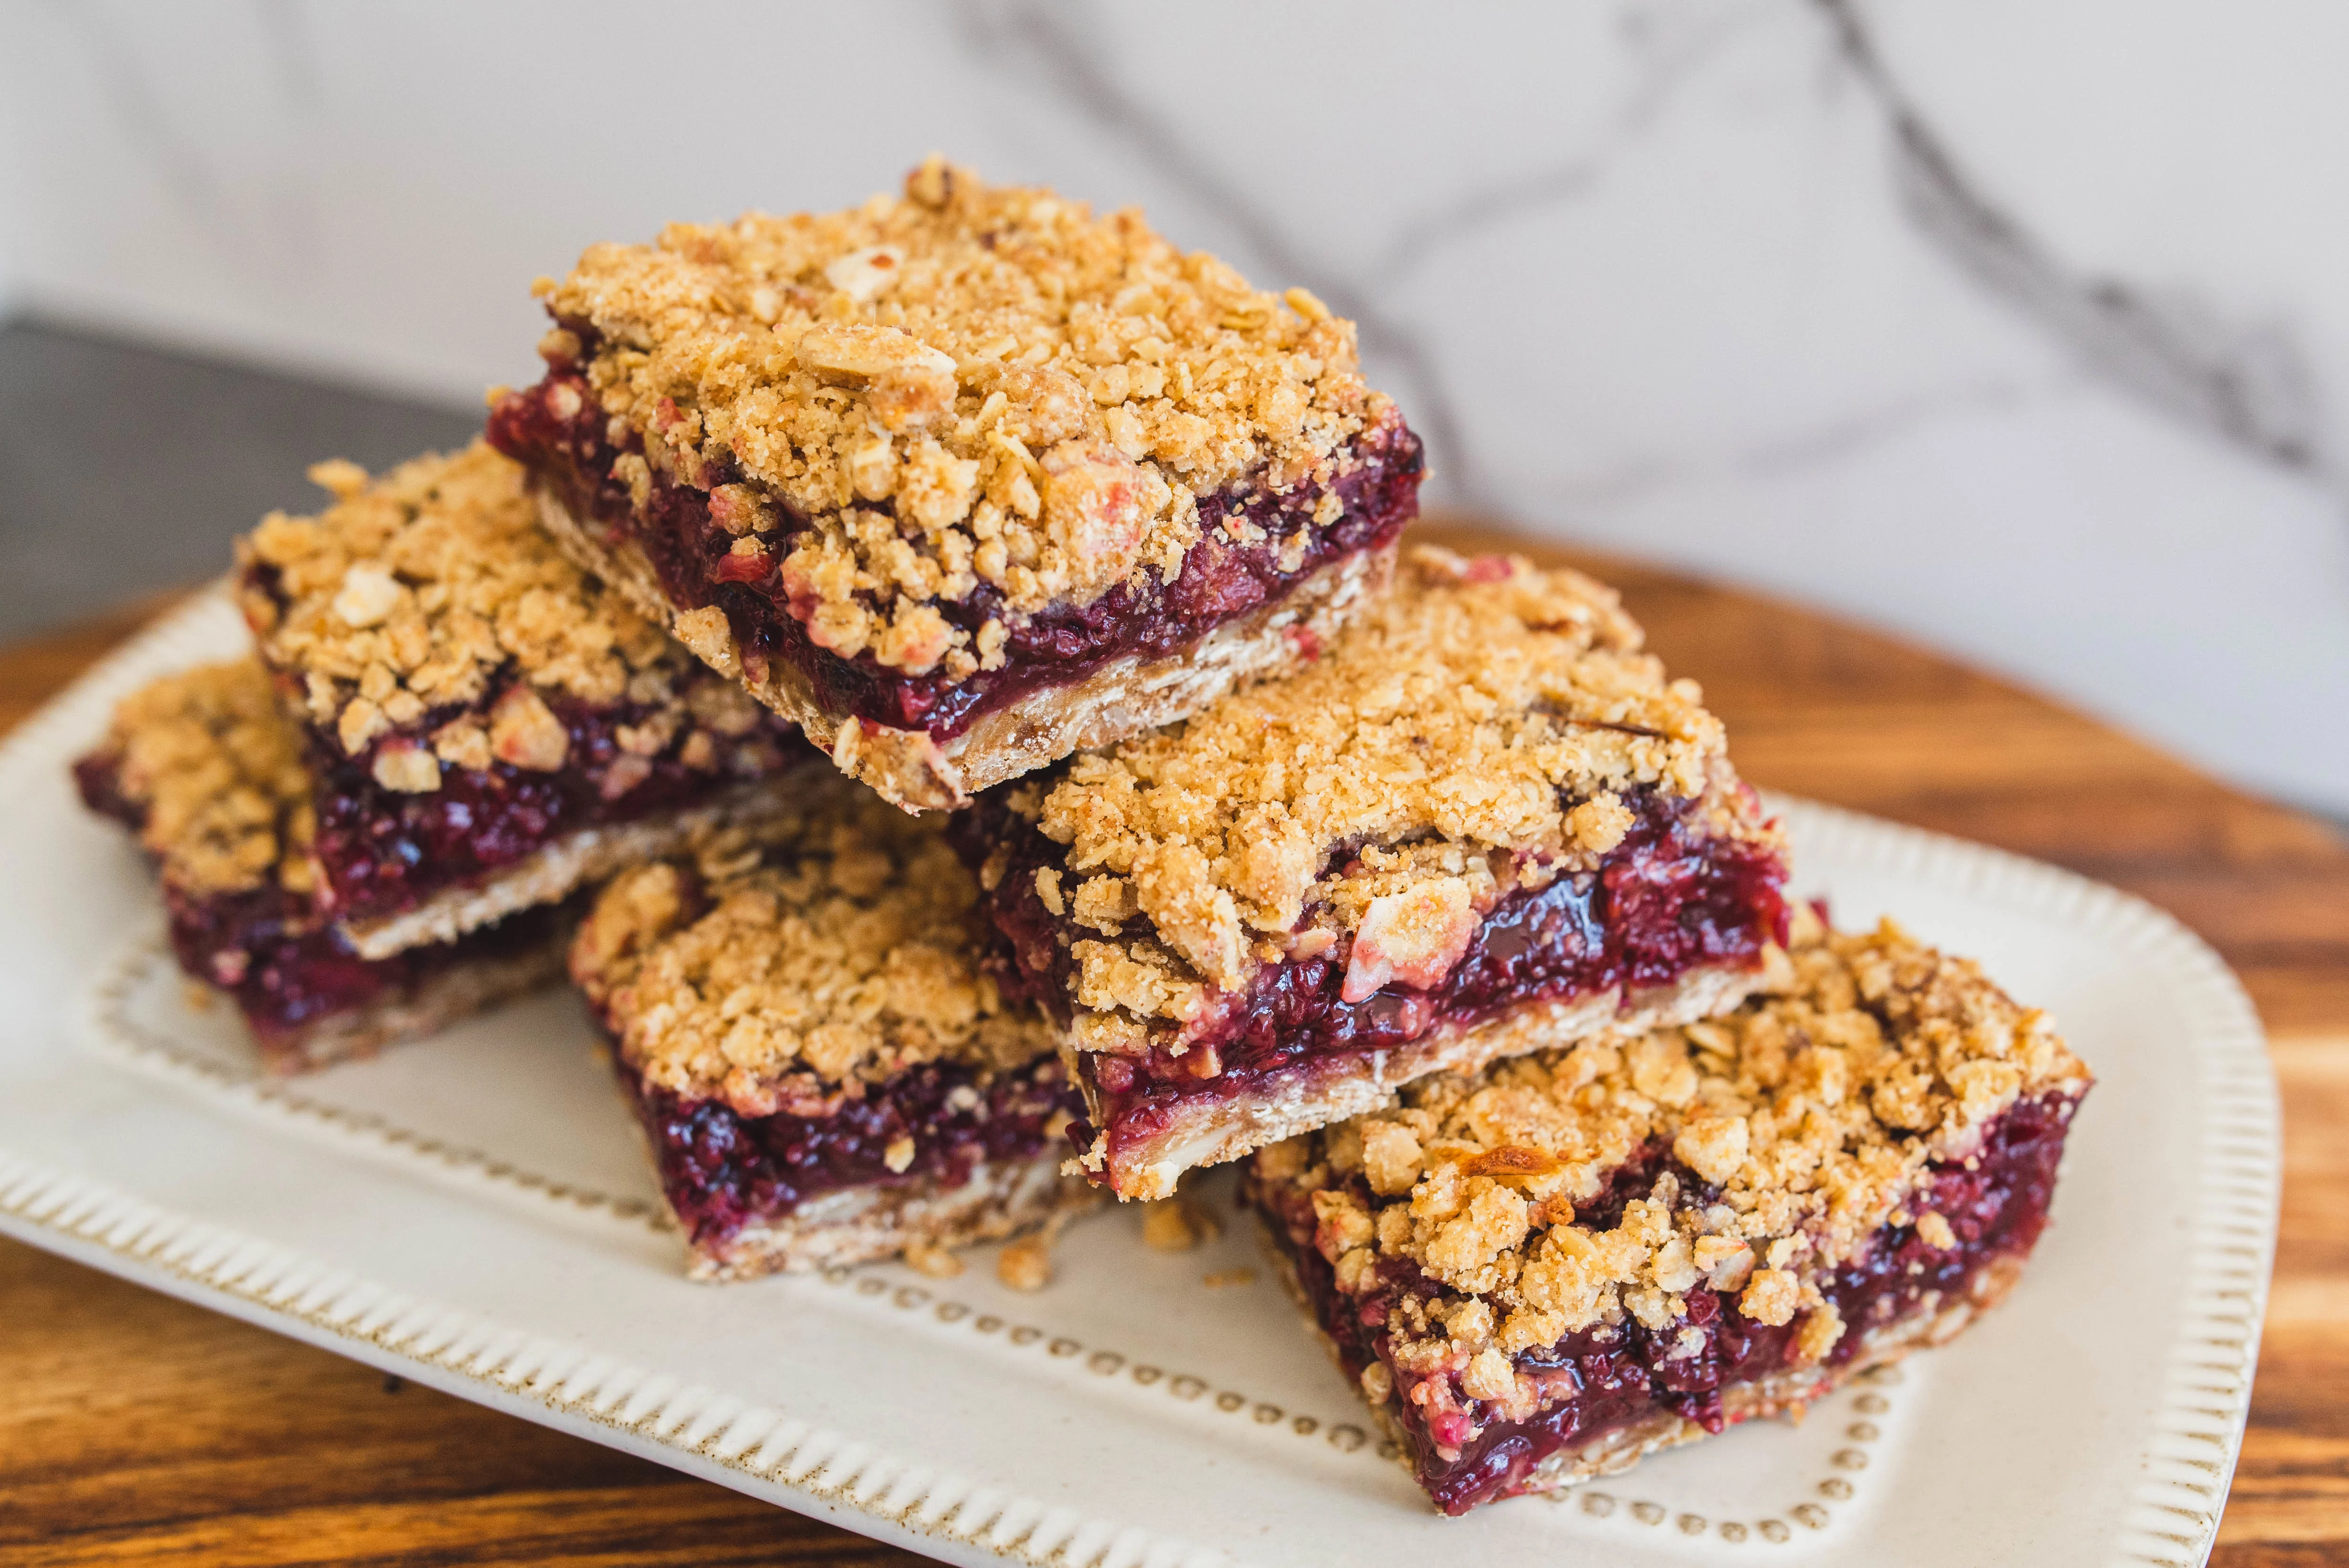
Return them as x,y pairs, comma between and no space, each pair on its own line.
2021,325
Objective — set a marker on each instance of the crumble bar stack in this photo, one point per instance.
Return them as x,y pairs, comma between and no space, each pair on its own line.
946,675
381,820
206,768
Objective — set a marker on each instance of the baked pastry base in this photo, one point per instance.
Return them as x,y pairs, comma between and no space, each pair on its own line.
1319,1094
1124,697
866,1224
446,996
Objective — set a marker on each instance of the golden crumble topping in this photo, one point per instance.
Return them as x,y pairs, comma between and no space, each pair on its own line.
411,592
214,767
1814,1109
1039,395
1475,732
784,971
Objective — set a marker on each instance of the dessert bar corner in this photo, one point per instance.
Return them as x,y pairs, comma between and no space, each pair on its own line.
206,768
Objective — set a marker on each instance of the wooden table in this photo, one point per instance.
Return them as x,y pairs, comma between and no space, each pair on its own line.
134,1429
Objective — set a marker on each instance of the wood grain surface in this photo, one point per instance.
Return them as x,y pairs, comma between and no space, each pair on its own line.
135,1428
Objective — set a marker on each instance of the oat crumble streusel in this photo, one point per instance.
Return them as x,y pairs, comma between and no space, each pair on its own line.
832,948
214,769
410,594
1478,730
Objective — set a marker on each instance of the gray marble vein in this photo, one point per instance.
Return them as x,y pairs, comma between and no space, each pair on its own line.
1668,43
2248,384
1818,446
2010,325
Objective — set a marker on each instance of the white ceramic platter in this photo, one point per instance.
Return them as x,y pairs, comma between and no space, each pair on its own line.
474,1212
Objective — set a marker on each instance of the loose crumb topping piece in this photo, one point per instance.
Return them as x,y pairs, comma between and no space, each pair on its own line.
1475,732
1807,1117
1178,1224
785,969
963,383
214,767
1026,1264
412,592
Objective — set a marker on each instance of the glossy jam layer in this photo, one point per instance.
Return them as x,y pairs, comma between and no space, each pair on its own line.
1665,900
381,851
287,971
722,1171
1219,581
1609,1377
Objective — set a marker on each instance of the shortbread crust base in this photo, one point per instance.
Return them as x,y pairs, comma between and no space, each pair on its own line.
865,1224
457,992
1125,697
1323,1093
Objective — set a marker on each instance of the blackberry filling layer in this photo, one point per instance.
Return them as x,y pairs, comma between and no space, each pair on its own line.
289,974
1255,546
1544,1271
384,850
1667,900
932,1127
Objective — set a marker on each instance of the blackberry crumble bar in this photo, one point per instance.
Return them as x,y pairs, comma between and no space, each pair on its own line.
1546,1271
486,727
207,770
1481,823
824,1071
964,480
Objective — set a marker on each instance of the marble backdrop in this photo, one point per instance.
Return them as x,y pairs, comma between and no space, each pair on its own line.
2020,327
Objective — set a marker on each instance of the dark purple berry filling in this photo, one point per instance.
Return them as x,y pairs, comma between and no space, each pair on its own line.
1609,1376
722,1171
383,850
1668,900
1220,581
285,970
